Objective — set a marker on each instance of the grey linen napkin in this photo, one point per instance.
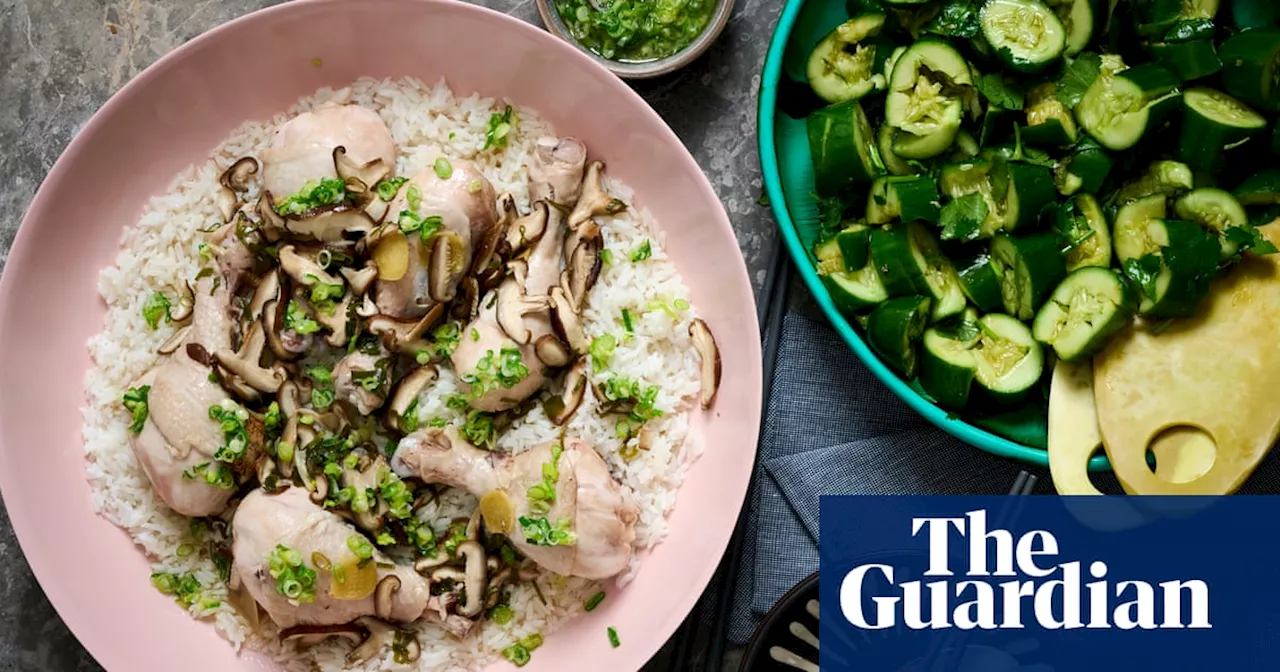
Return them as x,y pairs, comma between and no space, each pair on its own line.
832,428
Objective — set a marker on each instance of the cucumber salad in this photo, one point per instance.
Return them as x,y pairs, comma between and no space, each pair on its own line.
1005,182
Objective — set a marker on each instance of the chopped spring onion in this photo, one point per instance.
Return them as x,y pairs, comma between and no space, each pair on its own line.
443,168
594,601
293,578
500,126
602,350
413,196
298,320
329,191
644,251
155,309
321,561
388,188
517,655
474,186
606,256
409,421
501,614
360,546
135,401
284,450
626,321
613,638
540,532
185,550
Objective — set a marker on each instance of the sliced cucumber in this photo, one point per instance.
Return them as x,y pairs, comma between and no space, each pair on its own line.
1213,121
845,64
909,262
1175,268
975,177
1077,17
908,198
1118,110
896,164
1157,16
1049,122
947,363
1189,60
843,148
1009,360
1215,210
894,329
1084,311
1084,170
981,283
1025,34
965,146
1030,189
1084,232
1029,268
1251,67
1129,236
1167,178
855,291
846,251
1261,188
924,99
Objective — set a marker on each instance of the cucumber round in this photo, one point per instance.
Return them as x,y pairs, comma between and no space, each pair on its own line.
1215,210
1009,360
1130,235
1117,110
1077,17
843,148
1083,312
947,363
1192,59
1175,267
1030,189
1251,67
855,291
1167,178
844,64
1261,188
1025,34
1089,165
908,198
910,263
1085,233
981,283
919,101
894,329
1212,121
1029,268
894,163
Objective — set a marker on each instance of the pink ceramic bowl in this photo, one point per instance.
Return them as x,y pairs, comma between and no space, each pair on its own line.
173,114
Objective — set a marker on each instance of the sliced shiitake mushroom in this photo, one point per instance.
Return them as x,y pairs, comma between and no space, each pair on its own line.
239,174
383,596
705,343
286,345
309,635
362,279
404,336
560,409
512,306
368,174
245,362
527,230
336,322
552,351
489,245
567,322
271,220
367,307
327,224
199,354
475,578
467,304
380,636
595,200
584,268
448,263
227,203
303,269
182,312
408,391
171,345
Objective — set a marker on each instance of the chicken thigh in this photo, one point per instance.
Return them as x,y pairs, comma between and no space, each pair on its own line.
587,497
264,522
302,149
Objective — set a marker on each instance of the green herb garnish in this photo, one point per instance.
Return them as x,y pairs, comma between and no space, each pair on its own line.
329,191
642,252
293,578
443,168
156,308
388,188
594,601
541,532
135,401
500,127
298,320
962,218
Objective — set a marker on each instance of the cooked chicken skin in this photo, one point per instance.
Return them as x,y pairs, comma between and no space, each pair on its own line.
264,521
178,434
586,495
346,388
467,207
302,149
555,174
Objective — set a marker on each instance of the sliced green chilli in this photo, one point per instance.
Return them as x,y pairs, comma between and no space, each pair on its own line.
1118,110
1213,121
908,198
1251,67
845,65
843,148
1085,234
1083,312
981,283
894,329
923,101
1009,360
1215,210
910,263
947,363
1029,268
1025,34
1176,269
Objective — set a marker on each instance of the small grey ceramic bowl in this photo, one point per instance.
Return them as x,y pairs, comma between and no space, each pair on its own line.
551,19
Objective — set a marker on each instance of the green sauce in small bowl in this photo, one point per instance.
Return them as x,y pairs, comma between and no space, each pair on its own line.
636,31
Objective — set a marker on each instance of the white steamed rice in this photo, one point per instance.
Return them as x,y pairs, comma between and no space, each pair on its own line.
160,253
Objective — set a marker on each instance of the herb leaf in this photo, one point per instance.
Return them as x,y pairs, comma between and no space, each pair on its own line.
962,218
1144,272
1249,238
1077,77
1007,95
957,18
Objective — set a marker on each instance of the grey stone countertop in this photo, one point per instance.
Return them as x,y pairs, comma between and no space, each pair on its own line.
62,59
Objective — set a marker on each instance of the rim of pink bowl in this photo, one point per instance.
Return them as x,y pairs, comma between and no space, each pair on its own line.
24,521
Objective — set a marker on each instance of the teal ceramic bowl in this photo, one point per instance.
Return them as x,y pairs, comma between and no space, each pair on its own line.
788,176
